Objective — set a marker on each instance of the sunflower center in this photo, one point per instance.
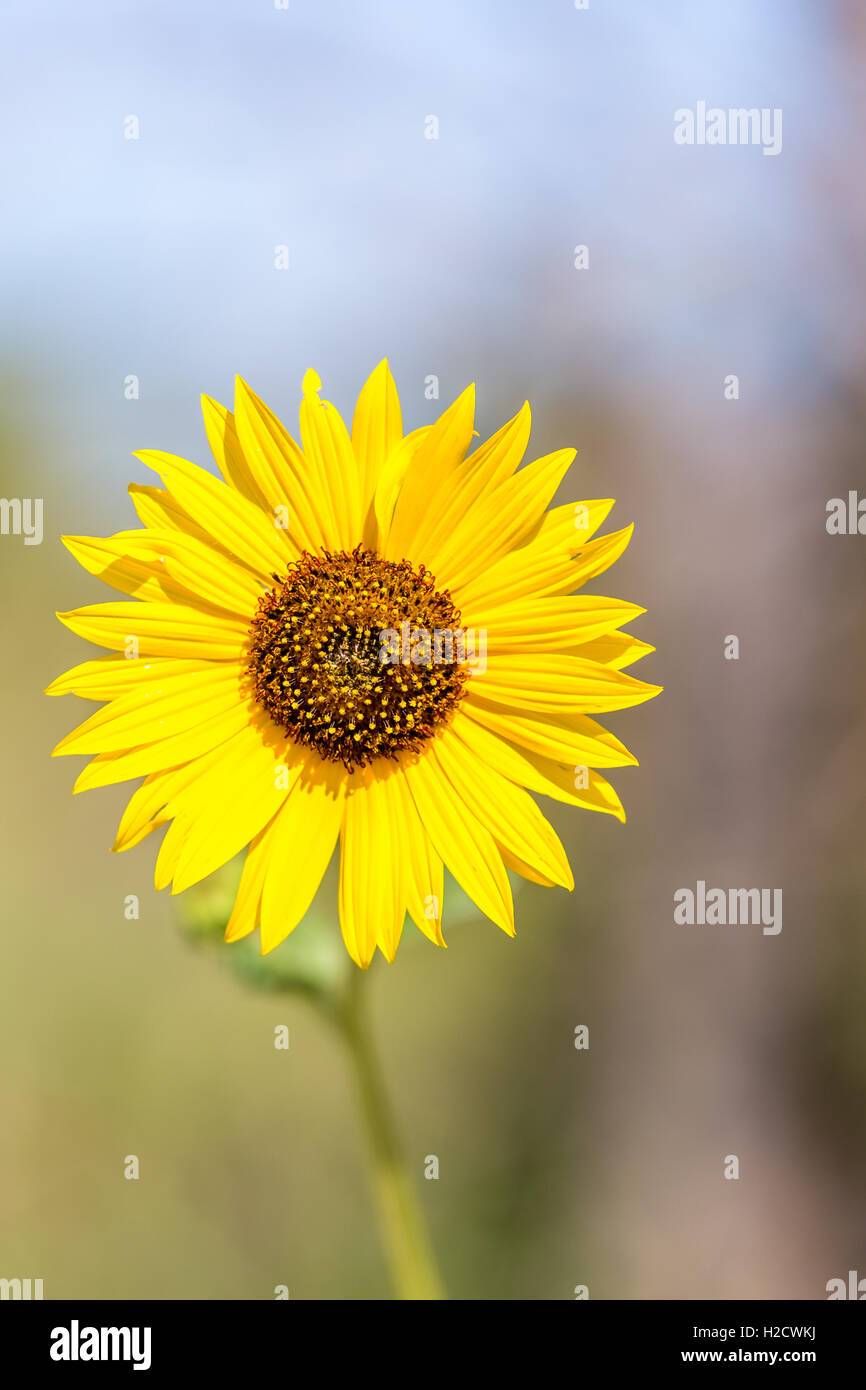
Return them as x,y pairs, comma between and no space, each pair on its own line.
353,655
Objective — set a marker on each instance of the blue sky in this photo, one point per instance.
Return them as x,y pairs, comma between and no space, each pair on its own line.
305,127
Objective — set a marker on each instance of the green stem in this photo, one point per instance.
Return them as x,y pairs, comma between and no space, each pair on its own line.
404,1232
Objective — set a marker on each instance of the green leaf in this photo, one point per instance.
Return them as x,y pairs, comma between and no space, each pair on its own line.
312,958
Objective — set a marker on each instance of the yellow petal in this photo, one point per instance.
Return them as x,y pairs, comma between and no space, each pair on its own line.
574,739
423,868
280,471
377,429
506,811
109,676
461,841
518,866
110,560
222,435
544,565
504,519
556,683
182,787
247,781
526,625
204,571
388,487
168,565
496,460
160,629
597,556
246,913
576,785
108,768
617,649
304,839
158,509
145,810
328,448
437,457
159,708
456,492
372,903
233,521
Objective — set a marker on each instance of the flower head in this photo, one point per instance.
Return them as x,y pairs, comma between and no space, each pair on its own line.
368,638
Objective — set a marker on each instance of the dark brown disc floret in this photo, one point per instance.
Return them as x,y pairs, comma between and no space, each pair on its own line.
353,655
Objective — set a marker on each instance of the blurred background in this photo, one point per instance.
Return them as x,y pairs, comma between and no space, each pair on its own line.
154,257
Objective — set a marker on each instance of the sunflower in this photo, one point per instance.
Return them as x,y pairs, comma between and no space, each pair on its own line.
369,638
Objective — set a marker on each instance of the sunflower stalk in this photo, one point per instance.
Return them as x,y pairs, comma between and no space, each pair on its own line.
404,1233
313,964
